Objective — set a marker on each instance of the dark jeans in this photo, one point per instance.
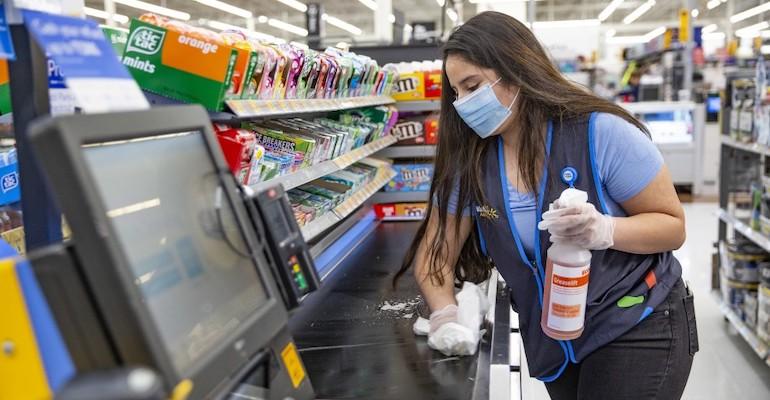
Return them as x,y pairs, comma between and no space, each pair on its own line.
651,361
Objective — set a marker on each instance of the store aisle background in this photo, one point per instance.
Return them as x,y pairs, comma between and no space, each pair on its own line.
725,368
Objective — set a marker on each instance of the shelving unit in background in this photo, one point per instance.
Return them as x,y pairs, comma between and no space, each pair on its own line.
740,164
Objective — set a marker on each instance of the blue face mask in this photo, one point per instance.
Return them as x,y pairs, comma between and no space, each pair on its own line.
482,111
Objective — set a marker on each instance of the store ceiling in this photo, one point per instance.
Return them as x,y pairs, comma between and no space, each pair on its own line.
356,13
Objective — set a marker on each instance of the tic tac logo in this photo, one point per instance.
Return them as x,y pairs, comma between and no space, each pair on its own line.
145,40
487,212
10,181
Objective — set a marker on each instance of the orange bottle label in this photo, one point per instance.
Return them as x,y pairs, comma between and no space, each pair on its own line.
569,290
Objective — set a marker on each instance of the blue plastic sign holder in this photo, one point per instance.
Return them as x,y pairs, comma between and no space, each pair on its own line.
87,61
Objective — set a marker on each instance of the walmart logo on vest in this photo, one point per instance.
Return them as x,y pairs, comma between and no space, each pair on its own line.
487,212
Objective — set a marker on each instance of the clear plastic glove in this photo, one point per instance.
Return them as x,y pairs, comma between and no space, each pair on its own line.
442,316
581,225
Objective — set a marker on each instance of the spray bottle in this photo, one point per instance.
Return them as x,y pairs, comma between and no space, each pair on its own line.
566,280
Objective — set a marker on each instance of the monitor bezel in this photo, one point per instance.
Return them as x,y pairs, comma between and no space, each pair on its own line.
58,143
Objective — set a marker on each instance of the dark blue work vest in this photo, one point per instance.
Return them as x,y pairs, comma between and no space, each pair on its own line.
614,274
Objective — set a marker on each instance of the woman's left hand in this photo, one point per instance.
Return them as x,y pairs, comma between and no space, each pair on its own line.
581,225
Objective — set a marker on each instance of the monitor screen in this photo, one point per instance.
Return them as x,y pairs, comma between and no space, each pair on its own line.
179,233
713,104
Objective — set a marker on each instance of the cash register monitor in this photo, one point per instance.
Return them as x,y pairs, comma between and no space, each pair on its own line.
159,229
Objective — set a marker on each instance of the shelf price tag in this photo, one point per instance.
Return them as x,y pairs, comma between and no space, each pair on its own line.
88,63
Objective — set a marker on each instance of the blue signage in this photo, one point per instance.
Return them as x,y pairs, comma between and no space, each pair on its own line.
77,46
10,192
6,44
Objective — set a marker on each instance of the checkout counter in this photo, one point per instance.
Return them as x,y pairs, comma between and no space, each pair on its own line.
175,269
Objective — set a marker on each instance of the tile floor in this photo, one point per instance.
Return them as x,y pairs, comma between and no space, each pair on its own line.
725,368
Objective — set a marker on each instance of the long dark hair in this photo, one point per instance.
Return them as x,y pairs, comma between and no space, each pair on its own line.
499,42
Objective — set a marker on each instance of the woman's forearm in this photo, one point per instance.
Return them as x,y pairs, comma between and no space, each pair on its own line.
648,233
440,294
435,294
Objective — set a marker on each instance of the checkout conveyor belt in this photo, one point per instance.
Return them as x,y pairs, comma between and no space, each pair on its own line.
355,334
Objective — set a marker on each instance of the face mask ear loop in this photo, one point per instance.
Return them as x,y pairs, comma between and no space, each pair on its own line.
514,99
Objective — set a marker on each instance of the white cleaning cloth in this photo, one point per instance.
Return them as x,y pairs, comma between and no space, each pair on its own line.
421,327
459,337
453,339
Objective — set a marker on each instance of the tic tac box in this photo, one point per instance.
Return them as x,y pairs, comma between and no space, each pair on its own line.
411,178
117,38
410,86
178,65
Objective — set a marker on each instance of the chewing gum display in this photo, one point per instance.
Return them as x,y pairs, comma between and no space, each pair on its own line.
320,196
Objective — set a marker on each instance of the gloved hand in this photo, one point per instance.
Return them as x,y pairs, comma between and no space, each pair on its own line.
440,317
454,329
581,225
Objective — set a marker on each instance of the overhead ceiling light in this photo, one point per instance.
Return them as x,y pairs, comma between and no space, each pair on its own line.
709,28
714,36
228,8
501,1
569,23
638,39
646,6
93,12
371,4
302,7
752,31
262,19
611,32
221,26
168,12
276,23
452,14
609,9
695,12
392,18
342,24
712,4
765,34
441,3
750,12
655,33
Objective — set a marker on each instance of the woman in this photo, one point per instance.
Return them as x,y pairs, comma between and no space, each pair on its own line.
510,125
